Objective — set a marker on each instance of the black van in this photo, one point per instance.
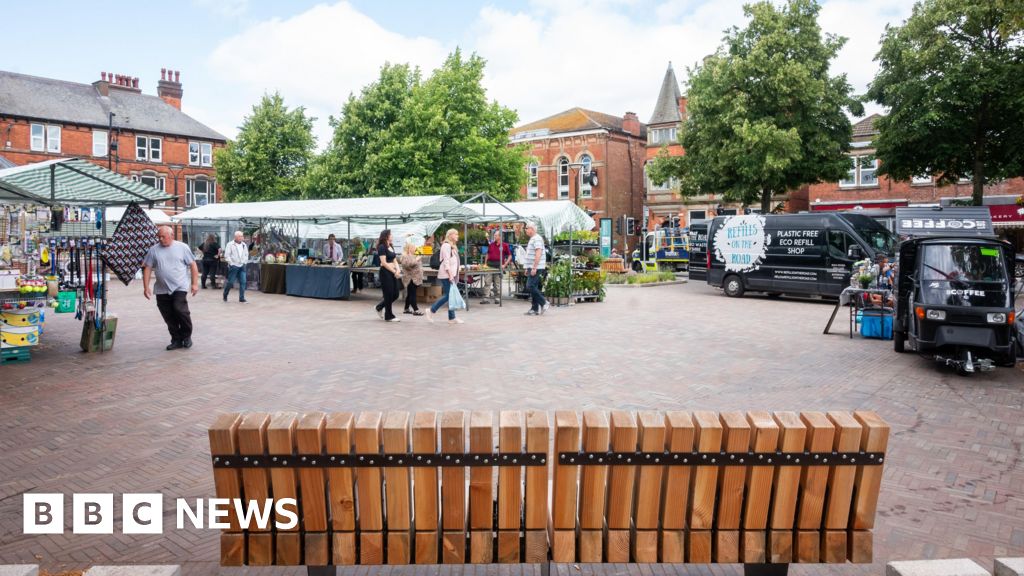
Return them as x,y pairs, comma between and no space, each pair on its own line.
805,254
698,266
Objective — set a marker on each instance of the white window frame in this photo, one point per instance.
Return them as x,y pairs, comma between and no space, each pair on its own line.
532,180
145,153
563,175
159,180
851,175
656,136
921,180
190,191
586,190
205,154
99,143
37,142
873,171
193,153
690,213
53,138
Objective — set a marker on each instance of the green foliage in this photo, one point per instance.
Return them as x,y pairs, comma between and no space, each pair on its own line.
764,115
268,159
642,278
952,77
578,236
407,136
557,284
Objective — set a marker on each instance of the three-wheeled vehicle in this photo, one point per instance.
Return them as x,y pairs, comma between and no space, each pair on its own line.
662,249
954,293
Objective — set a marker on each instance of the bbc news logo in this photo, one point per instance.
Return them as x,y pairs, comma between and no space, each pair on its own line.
143,513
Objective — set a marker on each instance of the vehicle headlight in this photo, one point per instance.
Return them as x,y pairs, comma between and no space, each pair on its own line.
936,315
996,318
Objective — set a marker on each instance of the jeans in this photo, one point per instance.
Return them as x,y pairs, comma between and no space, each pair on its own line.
533,287
446,285
210,271
174,309
235,272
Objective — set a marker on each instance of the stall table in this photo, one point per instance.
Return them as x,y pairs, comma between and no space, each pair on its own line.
272,278
330,282
477,274
851,297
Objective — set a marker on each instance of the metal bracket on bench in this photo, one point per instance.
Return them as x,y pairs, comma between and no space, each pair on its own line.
379,460
722,458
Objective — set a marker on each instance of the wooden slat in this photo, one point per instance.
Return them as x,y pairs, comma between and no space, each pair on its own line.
678,438
833,546
563,515
813,482
874,438
284,484
510,487
309,439
698,546
835,543
344,548
369,488
481,489
453,489
859,546
232,549
223,436
764,439
252,441
338,436
593,487
648,488
786,488
538,434
399,486
708,437
621,486
731,484
425,488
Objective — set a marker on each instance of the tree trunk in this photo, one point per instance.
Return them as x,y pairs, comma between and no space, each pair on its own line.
766,201
978,178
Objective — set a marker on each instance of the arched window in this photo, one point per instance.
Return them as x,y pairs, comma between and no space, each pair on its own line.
532,179
586,162
563,178
200,191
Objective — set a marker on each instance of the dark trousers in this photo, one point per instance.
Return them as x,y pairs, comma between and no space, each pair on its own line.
210,270
174,309
533,287
389,286
357,281
235,272
410,297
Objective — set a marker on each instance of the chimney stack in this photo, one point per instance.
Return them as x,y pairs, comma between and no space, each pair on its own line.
682,108
631,124
169,87
102,85
122,82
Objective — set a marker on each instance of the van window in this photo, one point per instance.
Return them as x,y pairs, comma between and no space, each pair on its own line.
839,243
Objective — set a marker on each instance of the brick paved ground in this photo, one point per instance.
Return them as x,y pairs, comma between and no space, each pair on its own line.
134,420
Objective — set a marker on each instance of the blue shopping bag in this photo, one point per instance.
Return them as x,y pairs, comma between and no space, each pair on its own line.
455,300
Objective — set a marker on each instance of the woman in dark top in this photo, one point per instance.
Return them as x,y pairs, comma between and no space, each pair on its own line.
210,250
390,272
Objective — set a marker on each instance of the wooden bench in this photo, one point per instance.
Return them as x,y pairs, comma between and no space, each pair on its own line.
758,488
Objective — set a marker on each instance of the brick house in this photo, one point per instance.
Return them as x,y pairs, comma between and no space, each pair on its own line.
663,201
113,124
865,189
565,148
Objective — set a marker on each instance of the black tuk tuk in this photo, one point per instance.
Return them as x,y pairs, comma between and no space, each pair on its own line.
954,289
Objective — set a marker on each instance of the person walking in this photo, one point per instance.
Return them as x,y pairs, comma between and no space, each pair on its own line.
237,255
174,265
412,277
499,255
447,272
210,249
390,272
535,266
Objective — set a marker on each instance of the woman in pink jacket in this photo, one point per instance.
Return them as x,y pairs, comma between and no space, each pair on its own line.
447,273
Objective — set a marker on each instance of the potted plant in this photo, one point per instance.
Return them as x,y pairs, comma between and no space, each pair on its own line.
865,280
557,285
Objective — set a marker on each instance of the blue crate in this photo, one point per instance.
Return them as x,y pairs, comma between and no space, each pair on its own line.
875,324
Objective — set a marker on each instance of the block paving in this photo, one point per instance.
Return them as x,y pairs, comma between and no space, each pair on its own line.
134,419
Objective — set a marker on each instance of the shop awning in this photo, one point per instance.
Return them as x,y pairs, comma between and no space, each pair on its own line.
1007,216
551,216
74,181
363,210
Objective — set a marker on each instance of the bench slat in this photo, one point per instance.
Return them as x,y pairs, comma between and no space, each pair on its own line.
338,438
223,437
425,488
621,486
252,441
481,489
679,434
370,490
538,435
563,515
453,489
510,486
399,490
593,487
283,484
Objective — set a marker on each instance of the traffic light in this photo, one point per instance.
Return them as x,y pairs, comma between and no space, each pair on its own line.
618,225
630,226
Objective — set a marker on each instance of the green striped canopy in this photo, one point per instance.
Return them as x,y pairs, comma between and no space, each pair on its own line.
74,181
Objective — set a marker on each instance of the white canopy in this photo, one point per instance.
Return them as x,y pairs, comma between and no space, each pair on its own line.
159,217
374,210
551,216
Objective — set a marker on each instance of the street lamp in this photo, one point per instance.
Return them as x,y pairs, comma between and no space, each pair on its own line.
176,169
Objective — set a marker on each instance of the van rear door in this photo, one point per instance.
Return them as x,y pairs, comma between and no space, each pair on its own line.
698,266
840,264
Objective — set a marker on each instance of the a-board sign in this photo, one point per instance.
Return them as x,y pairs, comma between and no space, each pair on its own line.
972,221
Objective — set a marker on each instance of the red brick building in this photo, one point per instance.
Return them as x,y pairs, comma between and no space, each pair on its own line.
113,124
865,189
565,149
663,201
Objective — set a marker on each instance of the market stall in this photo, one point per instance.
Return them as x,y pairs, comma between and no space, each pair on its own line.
331,282
55,248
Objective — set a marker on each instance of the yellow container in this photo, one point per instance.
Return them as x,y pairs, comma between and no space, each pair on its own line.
17,336
21,317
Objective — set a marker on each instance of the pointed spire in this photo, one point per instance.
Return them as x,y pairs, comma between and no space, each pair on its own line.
667,108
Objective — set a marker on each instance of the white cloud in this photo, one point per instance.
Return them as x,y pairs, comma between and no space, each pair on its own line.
607,55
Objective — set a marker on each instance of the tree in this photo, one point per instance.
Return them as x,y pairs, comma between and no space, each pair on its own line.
268,159
952,77
360,133
764,115
402,136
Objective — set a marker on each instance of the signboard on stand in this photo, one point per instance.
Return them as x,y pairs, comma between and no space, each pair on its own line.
606,237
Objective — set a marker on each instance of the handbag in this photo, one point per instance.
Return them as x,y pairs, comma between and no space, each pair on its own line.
455,300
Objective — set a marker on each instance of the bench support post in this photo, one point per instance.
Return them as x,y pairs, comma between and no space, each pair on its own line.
765,569
322,570
545,568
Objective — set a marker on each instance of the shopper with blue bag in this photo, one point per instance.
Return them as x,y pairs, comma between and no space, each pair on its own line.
448,274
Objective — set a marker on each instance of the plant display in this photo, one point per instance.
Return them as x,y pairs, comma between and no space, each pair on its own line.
577,236
557,283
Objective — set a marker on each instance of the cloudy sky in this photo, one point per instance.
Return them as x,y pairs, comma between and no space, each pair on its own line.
543,56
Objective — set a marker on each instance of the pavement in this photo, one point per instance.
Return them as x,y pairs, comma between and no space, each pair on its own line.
134,419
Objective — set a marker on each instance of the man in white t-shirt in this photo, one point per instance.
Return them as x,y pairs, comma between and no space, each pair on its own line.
535,266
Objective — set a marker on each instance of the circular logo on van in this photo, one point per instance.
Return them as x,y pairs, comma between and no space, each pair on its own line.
741,243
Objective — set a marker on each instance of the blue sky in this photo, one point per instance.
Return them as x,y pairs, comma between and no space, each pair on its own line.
543,56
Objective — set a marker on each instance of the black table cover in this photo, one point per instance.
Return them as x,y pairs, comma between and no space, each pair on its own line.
272,279
317,281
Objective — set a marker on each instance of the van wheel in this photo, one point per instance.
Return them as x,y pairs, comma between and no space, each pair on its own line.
899,341
733,286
